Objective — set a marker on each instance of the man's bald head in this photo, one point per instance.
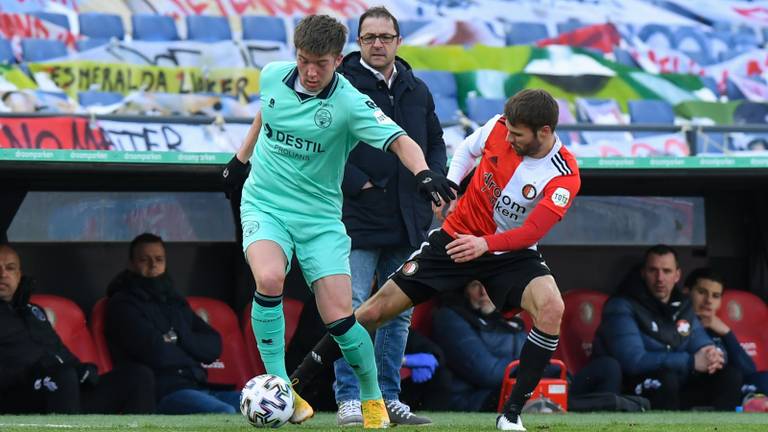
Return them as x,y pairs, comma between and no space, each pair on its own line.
10,272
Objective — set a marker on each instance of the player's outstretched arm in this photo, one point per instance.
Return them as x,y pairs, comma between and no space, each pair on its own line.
430,183
245,151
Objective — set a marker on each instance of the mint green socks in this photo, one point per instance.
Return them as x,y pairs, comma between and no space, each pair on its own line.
357,348
268,324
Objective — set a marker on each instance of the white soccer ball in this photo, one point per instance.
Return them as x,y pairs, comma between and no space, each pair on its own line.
267,401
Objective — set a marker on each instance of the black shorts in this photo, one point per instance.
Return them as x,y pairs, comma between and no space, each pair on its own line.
430,271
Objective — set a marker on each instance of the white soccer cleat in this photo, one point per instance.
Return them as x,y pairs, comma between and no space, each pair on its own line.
504,423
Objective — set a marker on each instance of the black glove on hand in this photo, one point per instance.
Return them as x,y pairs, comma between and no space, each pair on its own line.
234,175
435,186
87,373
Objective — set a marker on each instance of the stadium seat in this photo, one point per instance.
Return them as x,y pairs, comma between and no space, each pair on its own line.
733,92
751,113
439,82
526,33
710,83
623,57
583,309
86,44
657,36
60,20
447,109
6,52
232,367
97,98
746,315
97,323
352,26
291,309
481,109
421,320
409,27
262,27
37,50
101,25
207,28
150,27
647,111
608,112
569,26
68,320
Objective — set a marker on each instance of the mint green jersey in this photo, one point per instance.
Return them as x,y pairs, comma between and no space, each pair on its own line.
303,145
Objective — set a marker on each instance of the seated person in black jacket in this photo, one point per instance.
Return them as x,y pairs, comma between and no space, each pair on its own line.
650,327
38,374
149,322
479,343
706,290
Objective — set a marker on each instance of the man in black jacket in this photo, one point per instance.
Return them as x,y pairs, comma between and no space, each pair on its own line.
149,322
38,374
383,214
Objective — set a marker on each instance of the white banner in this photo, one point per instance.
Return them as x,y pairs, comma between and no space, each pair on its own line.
225,54
608,144
129,136
738,12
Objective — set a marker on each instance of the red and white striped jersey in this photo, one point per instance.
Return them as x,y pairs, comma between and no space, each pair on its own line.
507,187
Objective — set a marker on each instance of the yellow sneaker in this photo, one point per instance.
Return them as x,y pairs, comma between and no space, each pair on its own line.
375,414
302,410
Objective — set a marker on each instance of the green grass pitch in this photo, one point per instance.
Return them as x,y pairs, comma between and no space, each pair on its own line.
571,422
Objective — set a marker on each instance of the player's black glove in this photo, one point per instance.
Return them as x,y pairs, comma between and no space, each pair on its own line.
234,175
435,186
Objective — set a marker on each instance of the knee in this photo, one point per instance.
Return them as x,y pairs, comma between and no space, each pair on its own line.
550,311
270,282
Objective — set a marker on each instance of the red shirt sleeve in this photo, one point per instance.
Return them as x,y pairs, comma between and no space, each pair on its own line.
559,194
535,227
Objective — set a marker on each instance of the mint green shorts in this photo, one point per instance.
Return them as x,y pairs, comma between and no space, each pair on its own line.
321,245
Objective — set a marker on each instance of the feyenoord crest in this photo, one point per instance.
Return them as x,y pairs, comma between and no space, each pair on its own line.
410,268
683,327
529,191
323,118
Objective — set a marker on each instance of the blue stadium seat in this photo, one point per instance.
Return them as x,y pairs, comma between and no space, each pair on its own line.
646,111
733,92
36,50
96,98
206,28
623,57
526,33
694,44
86,44
6,52
352,26
408,27
439,82
60,20
481,109
583,116
101,25
569,26
751,113
447,109
656,35
710,83
150,27
263,27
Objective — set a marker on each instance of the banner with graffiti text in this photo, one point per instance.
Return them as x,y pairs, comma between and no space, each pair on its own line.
53,133
224,54
73,77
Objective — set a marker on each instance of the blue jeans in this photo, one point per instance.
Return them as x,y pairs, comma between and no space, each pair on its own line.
389,345
190,401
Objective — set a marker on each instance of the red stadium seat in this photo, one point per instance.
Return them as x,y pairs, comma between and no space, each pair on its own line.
68,320
746,314
232,367
583,309
292,309
98,317
421,320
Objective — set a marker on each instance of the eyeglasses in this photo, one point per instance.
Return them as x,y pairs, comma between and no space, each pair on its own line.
385,38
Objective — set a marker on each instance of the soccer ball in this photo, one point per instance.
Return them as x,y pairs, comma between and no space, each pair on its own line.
267,401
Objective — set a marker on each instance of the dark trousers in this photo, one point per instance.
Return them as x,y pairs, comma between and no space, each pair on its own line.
600,375
129,389
668,391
